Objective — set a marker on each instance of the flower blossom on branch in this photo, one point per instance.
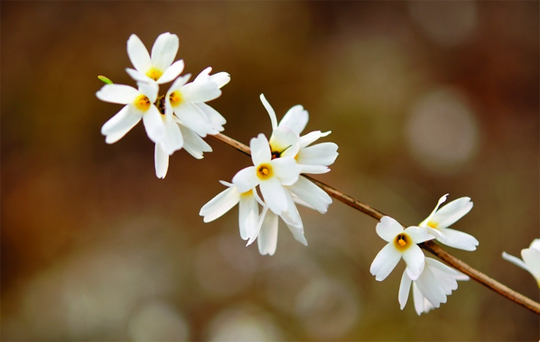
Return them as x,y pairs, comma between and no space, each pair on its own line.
402,243
277,165
431,288
178,119
439,221
531,259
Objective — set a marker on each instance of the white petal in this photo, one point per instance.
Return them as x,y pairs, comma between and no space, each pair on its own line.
320,154
419,300
220,78
164,50
535,244
193,118
430,288
220,204
154,125
178,84
173,139
172,72
385,261
296,118
531,256
415,259
193,143
248,215
270,110
418,234
426,221
260,150
453,211
284,140
117,93
388,228
291,216
404,289
274,195
198,92
246,179
313,169
138,76
216,120
309,138
117,126
161,161
150,90
138,54
457,239
286,170
514,260
311,194
267,239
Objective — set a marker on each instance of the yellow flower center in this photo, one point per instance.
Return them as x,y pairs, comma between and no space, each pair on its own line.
432,224
154,73
142,103
176,98
264,171
402,241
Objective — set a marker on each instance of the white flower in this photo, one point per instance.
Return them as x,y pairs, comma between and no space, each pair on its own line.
312,159
270,174
401,244
248,214
139,104
160,67
531,259
436,282
439,221
220,79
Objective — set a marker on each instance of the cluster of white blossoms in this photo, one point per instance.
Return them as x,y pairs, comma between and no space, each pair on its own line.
272,186
180,118
531,260
432,281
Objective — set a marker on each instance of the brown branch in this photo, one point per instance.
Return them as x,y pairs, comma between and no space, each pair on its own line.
428,245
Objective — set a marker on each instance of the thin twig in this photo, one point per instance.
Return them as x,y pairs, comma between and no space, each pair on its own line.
428,245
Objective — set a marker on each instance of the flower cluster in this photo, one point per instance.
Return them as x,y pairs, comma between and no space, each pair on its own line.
531,259
431,280
180,118
271,187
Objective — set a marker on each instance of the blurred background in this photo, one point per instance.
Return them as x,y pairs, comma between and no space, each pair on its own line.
423,99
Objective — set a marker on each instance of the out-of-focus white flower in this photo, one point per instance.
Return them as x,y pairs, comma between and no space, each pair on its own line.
139,104
531,259
401,244
435,283
271,175
248,212
159,68
439,221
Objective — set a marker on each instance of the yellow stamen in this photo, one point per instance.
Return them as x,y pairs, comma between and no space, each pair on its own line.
432,224
142,103
264,171
402,241
154,73
176,98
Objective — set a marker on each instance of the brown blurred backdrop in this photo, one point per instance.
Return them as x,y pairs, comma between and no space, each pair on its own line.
423,99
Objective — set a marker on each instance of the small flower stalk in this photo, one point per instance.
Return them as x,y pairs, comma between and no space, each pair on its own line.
178,119
274,181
